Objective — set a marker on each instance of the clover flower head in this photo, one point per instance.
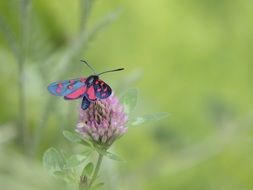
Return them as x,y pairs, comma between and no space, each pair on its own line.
103,122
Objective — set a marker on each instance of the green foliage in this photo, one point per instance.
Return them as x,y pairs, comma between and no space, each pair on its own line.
74,161
76,138
53,160
64,167
98,186
147,118
113,156
129,100
88,169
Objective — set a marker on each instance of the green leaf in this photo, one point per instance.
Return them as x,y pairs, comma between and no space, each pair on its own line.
53,160
75,138
147,118
72,137
61,174
110,155
74,161
129,100
113,156
97,186
65,176
86,153
88,169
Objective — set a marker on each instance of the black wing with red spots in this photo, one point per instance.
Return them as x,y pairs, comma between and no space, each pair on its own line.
102,90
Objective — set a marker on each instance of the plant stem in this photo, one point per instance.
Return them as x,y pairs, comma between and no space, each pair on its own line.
85,10
22,104
94,176
21,74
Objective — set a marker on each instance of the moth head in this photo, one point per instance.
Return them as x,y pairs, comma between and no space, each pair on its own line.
91,79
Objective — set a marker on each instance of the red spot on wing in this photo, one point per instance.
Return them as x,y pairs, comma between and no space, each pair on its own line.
105,89
70,86
59,88
72,81
91,93
77,93
99,89
82,79
96,82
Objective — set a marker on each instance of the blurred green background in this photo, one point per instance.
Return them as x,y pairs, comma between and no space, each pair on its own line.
191,58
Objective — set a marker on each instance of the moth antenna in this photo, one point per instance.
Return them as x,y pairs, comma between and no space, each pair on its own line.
89,66
120,69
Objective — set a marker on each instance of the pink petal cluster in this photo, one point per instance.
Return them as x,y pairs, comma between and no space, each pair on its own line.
103,122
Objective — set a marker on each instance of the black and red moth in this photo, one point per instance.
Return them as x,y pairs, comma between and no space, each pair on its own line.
90,89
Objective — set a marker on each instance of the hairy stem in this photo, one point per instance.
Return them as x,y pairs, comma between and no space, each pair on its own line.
98,164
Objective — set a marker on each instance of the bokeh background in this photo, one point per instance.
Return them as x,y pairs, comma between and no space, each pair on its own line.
190,58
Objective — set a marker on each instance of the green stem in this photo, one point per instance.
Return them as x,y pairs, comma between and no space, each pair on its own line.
94,176
21,74
22,104
85,10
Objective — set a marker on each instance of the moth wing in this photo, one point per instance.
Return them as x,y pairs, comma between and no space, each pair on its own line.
85,103
102,90
90,93
66,87
78,93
